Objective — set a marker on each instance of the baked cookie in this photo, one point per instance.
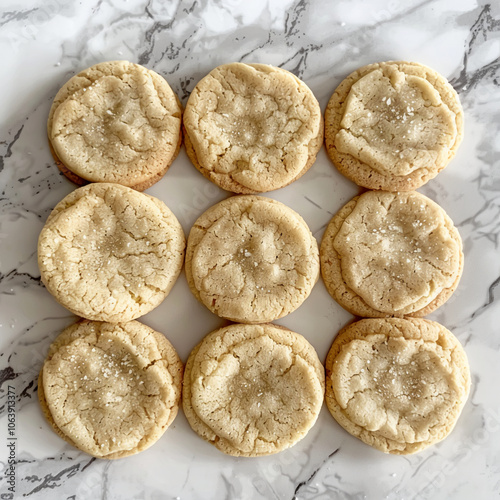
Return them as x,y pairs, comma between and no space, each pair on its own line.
253,390
393,125
111,390
252,128
391,254
115,122
251,259
109,253
399,385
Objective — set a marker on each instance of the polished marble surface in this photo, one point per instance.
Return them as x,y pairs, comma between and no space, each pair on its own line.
43,43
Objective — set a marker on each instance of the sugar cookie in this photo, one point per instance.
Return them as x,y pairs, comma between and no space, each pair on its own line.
115,122
399,385
109,253
252,128
393,125
111,390
253,390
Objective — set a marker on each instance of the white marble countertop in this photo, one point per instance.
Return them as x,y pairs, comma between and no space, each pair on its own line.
43,43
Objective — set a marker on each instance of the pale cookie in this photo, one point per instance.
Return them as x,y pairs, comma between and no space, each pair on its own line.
391,254
109,253
115,122
393,125
252,128
111,390
399,385
253,390
251,259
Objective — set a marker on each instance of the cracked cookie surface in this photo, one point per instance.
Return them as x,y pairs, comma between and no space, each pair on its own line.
393,125
391,254
252,128
111,390
253,390
399,385
109,253
251,259
115,122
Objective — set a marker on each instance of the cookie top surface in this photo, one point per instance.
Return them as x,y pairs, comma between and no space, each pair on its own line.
253,389
251,259
109,253
252,127
399,385
391,254
393,125
115,122
111,389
